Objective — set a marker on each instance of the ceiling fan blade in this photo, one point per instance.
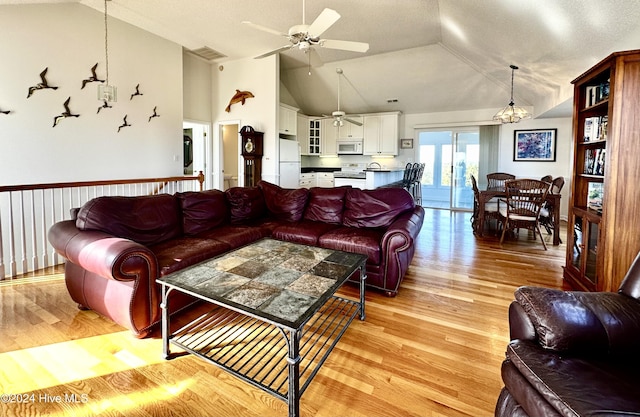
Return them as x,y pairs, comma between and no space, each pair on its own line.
265,29
345,45
323,22
355,122
275,51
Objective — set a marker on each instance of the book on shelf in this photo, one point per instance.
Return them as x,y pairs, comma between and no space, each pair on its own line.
594,94
594,196
595,128
594,160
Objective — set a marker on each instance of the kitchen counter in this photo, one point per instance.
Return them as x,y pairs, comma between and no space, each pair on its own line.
384,170
306,170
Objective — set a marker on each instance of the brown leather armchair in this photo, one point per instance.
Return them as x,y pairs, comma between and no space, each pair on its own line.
573,353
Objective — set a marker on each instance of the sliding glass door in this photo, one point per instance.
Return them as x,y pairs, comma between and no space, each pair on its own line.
450,156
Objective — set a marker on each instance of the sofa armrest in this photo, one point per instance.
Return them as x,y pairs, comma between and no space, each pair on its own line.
406,226
103,254
577,322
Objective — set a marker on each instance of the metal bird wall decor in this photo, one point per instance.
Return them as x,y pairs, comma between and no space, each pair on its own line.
5,111
154,113
41,85
125,124
239,97
105,105
93,77
66,113
137,93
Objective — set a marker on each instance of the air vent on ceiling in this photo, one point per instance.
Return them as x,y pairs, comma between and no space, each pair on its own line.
207,53
392,100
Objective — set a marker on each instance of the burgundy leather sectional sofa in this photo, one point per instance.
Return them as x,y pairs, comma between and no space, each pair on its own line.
573,353
117,247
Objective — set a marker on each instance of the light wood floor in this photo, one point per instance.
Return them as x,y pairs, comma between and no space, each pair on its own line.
434,350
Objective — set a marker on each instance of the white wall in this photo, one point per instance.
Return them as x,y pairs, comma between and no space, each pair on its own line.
197,90
68,38
260,77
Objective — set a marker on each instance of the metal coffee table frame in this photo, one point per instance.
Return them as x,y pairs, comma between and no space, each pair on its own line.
278,357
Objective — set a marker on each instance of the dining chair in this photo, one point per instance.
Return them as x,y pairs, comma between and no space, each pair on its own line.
495,180
547,178
546,217
490,207
521,208
417,184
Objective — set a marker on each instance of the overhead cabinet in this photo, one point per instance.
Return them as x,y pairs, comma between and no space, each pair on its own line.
350,130
329,136
288,120
381,134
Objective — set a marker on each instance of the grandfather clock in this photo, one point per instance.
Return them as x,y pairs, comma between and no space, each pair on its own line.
252,154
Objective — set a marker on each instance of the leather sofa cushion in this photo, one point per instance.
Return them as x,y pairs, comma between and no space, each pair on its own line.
351,239
245,204
577,386
304,232
284,204
326,204
235,235
375,208
561,321
146,220
202,211
180,253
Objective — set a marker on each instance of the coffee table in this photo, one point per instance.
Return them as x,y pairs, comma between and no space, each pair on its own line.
275,317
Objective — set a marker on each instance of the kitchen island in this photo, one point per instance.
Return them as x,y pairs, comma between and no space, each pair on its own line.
372,178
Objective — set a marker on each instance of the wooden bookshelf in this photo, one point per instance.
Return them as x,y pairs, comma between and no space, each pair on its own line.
603,239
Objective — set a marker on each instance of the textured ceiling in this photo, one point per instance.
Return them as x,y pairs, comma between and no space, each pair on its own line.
431,55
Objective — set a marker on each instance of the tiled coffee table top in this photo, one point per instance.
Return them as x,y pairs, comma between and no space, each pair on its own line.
281,281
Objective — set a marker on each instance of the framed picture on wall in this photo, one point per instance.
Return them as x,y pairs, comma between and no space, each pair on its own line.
534,145
406,143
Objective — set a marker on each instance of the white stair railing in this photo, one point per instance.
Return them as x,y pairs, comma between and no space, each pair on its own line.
28,211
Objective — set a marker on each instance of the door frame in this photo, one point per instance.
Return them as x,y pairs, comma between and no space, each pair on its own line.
204,128
218,162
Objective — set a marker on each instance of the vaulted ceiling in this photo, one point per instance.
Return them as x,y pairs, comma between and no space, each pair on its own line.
430,55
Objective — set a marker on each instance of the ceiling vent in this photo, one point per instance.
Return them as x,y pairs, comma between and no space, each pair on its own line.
207,53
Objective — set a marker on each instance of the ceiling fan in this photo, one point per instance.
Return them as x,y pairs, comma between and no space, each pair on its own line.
305,37
339,117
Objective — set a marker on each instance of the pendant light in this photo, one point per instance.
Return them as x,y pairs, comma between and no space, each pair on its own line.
512,113
107,92
337,115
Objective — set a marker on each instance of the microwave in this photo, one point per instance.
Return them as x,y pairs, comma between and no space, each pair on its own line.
350,147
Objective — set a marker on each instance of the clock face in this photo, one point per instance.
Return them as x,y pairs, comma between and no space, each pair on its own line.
248,147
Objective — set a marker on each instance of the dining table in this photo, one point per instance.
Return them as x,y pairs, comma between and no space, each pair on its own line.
552,199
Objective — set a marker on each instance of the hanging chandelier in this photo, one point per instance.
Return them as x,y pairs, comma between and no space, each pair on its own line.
512,113
107,92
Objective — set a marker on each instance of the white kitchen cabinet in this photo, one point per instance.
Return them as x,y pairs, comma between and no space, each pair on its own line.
308,180
351,131
324,179
329,136
314,132
381,134
316,179
287,120
302,134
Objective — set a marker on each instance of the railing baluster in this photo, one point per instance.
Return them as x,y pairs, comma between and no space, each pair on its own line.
34,234
23,236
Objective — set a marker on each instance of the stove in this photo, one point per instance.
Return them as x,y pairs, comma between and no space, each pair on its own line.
351,170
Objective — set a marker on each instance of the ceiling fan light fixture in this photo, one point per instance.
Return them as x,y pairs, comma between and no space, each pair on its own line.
512,113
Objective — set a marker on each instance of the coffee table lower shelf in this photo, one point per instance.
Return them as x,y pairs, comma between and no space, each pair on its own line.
277,359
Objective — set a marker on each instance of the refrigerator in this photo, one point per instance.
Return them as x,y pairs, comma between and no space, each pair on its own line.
289,163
